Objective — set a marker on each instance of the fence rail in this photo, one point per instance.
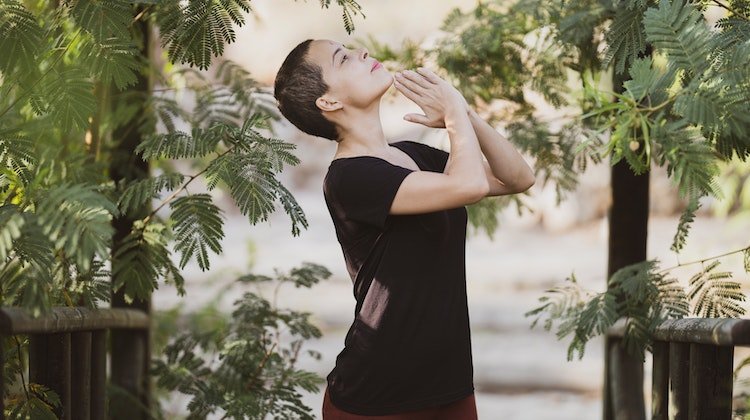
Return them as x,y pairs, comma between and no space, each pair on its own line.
692,367
67,353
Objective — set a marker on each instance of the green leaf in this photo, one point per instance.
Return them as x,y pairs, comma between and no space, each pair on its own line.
683,227
178,145
141,192
192,32
11,223
20,37
77,218
70,96
643,76
625,38
112,60
714,295
198,227
17,154
104,19
678,28
140,259
691,162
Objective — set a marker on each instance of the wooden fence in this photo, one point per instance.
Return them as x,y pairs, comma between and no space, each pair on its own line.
68,353
692,368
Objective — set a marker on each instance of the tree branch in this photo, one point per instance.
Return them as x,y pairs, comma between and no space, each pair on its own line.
747,248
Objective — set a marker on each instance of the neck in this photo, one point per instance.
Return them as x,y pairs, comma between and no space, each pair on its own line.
362,133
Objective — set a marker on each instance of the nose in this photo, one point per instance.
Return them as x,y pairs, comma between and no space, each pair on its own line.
364,53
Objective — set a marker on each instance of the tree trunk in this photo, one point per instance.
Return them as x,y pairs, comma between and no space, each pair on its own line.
131,349
628,229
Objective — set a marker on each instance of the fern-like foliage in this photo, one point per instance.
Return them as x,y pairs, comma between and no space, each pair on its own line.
715,295
194,31
643,78
256,375
691,162
349,9
77,218
113,60
553,152
678,29
198,228
683,227
141,192
103,19
626,38
20,36
639,293
178,145
67,96
17,159
497,35
142,258
642,295
40,404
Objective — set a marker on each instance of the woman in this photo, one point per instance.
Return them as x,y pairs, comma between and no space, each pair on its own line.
398,210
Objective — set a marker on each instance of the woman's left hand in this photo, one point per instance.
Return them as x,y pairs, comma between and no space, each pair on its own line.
417,87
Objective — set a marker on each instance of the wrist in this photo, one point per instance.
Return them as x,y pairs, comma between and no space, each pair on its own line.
458,110
455,115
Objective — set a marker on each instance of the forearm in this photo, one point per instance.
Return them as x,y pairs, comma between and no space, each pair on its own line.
506,162
465,162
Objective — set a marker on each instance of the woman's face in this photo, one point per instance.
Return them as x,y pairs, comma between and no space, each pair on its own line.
354,78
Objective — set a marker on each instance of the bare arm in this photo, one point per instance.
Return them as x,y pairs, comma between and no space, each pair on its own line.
506,170
463,181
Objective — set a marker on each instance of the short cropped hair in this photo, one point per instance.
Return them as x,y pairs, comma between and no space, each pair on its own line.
298,84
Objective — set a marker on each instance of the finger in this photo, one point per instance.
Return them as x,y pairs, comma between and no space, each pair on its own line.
410,84
417,118
407,92
418,79
429,74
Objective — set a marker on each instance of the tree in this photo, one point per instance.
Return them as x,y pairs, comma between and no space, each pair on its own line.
679,97
79,141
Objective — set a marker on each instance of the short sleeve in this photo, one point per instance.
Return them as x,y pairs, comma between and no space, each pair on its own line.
363,188
439,157
436,158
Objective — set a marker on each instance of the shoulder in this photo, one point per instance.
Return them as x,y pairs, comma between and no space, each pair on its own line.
433,157
344,174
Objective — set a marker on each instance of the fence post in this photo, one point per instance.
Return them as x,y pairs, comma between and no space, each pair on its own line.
98,373
2,377
80,380
127,374
710,382
679,369
660,381
626,375
49,365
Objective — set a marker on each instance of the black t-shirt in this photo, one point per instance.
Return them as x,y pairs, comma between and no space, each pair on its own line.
409,346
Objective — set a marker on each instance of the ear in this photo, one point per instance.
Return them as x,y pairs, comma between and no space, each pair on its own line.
327,104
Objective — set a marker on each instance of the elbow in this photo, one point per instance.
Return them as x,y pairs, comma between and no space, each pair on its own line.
525,181
478,190
526,184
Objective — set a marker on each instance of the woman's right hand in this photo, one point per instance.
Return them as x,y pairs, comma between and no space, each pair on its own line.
435,96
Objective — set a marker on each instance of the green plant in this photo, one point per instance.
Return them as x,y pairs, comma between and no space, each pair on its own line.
244,364
685,105
686,108
78,82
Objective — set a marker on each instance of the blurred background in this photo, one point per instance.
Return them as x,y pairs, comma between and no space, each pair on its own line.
520,373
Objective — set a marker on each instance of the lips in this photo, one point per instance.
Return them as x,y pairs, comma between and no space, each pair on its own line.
376,65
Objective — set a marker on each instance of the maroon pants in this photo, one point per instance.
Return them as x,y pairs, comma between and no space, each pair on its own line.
464,409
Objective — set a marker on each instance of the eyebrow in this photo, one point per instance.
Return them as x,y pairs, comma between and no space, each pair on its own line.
334,56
